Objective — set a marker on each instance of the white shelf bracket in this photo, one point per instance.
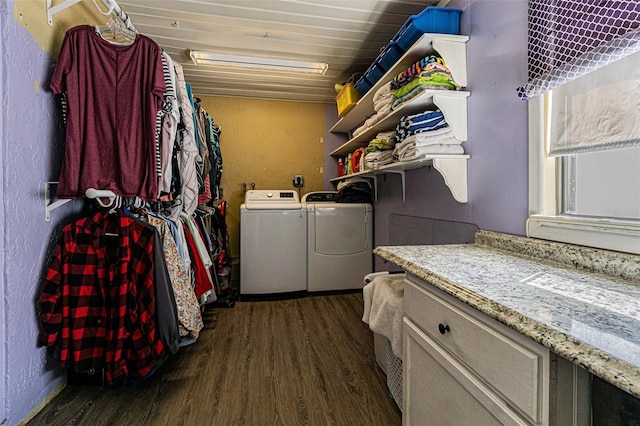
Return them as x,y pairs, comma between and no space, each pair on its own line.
454,171
48,205
375,186
454,54
454,109
52,10
402,178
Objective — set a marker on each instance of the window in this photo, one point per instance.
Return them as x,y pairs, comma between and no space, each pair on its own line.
585,160
583,91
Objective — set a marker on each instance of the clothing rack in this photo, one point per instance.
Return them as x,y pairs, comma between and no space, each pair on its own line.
112,6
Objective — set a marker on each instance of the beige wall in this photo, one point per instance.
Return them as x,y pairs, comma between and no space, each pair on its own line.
266,142
32,15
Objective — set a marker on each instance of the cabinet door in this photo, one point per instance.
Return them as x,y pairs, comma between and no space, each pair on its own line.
438,390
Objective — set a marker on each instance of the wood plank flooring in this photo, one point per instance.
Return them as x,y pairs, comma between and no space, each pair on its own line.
306,361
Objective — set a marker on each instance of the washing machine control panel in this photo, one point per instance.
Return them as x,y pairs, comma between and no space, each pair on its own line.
257,196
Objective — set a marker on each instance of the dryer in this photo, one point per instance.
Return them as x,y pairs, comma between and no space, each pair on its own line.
273,243
339,242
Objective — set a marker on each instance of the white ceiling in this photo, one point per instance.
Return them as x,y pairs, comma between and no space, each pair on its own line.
347,34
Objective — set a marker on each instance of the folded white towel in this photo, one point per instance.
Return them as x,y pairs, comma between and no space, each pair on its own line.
378,158
386,135
381,113
360,130
383,102
383,308
385,89
410,153
423,134
414,141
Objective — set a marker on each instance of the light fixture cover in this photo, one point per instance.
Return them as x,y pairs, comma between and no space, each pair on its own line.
221,59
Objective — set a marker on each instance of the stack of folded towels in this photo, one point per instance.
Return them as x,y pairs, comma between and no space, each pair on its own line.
382,104
429,72
423,134
380,150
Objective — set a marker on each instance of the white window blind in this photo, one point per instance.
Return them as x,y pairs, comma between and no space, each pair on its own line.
599,111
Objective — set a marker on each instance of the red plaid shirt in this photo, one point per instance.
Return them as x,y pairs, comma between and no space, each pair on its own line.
98,301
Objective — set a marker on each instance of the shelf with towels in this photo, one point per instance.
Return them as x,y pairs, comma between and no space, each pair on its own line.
452,48
452,103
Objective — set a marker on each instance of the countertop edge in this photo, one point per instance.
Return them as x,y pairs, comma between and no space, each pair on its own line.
609,368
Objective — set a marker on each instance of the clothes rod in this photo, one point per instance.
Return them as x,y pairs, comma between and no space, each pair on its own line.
98,194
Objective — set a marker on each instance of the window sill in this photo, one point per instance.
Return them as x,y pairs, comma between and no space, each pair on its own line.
607,234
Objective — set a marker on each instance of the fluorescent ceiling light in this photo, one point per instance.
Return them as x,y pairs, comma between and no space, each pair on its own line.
209,58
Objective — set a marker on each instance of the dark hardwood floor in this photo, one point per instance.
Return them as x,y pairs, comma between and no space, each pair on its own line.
306,361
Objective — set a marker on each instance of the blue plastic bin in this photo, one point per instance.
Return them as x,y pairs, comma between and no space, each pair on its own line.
389,55
374,73
362,85
442,20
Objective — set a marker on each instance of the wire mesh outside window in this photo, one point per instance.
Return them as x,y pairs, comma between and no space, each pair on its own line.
570,38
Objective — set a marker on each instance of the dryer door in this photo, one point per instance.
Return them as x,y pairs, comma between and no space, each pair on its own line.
341,228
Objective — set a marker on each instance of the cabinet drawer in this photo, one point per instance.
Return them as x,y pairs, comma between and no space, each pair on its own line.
510,363
439,390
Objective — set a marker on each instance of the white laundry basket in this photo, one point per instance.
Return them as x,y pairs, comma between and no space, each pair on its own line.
390,364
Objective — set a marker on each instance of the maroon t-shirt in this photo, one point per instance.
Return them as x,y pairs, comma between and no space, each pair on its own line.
113,93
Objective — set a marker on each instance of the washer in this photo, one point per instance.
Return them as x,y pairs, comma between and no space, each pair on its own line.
273,243
340,242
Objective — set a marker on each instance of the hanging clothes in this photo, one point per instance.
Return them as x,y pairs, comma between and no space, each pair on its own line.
200,260
188,309
186,156
123,291
169,129
113,96
216,161
167,314
98,302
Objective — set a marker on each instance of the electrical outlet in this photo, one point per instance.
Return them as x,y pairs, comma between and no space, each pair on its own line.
298,181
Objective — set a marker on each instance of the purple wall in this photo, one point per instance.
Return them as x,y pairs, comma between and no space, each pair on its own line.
28,156
497,128
3,301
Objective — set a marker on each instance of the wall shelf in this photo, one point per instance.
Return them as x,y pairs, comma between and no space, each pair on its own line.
452,48
453,105
453,169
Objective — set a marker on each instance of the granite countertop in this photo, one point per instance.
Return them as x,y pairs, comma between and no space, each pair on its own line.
581,303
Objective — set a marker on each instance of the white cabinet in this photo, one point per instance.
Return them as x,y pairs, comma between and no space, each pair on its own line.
462,367
453,104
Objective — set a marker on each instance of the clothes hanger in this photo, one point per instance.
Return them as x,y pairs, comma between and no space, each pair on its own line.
116,32
116,204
